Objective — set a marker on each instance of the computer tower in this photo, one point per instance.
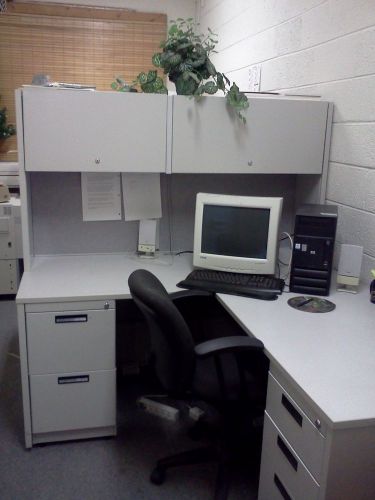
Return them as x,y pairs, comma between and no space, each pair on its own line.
314,238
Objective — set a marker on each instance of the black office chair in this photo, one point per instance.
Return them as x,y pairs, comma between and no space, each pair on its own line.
228,373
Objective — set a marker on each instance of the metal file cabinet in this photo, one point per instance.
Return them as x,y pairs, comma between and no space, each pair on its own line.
293,448
307,456
71,367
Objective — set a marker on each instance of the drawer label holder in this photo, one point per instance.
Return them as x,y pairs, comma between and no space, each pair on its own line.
71,318
73,379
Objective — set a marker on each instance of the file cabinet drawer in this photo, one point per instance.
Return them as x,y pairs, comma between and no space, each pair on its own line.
71,341
283,474
298,429
72,401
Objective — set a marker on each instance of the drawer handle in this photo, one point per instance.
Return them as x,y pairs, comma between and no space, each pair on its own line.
71,318
281,488
294,413
73,379
288,454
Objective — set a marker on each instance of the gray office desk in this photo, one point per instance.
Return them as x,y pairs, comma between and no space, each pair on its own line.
319,435
319,432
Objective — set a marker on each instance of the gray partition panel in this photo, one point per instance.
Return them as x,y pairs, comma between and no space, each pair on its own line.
59,228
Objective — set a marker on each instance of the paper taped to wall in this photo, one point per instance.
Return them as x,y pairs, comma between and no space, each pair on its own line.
141,193
101,196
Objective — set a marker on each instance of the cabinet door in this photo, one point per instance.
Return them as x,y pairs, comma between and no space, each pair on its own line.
89,131
281,135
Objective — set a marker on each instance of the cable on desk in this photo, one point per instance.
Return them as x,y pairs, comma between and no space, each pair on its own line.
289,263
170,209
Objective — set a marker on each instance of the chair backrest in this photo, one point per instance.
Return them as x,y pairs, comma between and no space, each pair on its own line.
171,340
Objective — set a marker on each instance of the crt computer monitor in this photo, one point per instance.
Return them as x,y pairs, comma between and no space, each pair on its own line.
237,233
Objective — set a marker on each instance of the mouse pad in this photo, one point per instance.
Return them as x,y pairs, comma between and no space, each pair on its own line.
311,304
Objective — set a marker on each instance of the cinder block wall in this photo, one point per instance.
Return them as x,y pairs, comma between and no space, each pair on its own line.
319,47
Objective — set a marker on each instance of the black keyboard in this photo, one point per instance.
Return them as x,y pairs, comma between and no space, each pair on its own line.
250,285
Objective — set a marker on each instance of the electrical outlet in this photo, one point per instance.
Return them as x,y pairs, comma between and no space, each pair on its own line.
254,78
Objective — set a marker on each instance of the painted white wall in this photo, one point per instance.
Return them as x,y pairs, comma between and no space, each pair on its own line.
318,47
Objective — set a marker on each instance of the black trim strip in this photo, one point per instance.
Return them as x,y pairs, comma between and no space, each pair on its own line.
288,454
71,318
281,488
294,413
73,379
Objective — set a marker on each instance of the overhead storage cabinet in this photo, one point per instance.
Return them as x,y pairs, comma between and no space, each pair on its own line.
281,136
86,131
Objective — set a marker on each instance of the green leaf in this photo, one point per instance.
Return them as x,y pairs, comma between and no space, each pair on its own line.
114,85
174,59
158,83
173,30
148,88
190,74
237,100
142,78
210,88
220,81
210,68
151,76
183,46
156,59
227,81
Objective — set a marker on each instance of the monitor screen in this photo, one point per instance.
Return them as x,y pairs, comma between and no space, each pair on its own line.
236,233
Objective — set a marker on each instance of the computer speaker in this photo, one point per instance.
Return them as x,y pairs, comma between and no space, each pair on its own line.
349,268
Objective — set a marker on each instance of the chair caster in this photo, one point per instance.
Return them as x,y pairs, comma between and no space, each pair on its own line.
158,475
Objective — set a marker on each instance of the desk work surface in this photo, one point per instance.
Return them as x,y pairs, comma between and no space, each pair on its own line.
330,357
95,277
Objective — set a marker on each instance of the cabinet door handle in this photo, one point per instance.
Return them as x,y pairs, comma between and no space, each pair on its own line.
287,453
293,412
73,379
281,488
71,318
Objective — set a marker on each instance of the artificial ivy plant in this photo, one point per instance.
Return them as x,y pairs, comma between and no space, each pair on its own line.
185,58
5,130
148,82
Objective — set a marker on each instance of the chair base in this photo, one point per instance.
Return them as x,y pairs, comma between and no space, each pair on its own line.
197,456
